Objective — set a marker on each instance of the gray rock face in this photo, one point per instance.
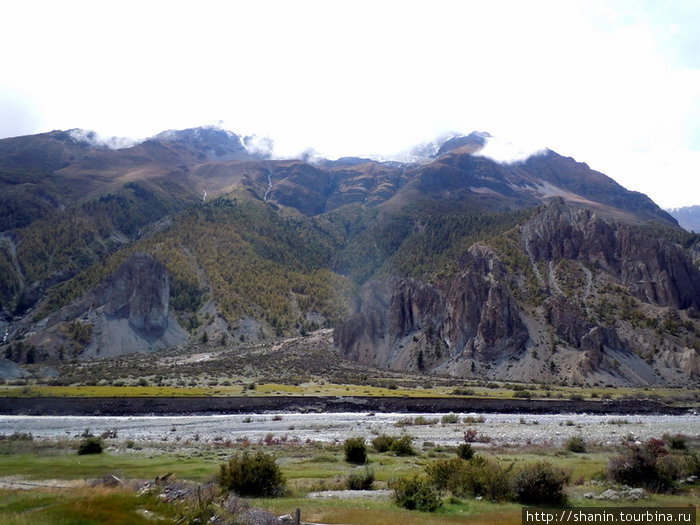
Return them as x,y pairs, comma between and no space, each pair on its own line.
566,322
128,312
139,291
656,271
406,324
10,370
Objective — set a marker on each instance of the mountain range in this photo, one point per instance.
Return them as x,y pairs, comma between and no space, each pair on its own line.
688,217
442,262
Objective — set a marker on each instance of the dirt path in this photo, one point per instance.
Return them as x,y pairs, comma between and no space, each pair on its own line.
19,483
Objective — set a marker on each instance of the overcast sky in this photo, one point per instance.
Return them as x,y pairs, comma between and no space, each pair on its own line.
614,84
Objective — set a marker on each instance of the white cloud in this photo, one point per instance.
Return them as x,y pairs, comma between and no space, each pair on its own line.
98,141
506,151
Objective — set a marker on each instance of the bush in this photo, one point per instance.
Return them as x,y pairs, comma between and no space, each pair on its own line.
383,443
361,480
90,445
355,450
449,419
673,466
442,471
525,394
470,435
637,467
576,444
416,494
17,436
481,477
693,462
465,451
677,442
255,476
656,447
539,484
402,446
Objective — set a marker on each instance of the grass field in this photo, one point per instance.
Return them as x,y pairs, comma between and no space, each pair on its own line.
682,397
306,467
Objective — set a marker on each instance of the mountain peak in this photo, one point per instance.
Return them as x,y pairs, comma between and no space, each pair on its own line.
216,143
95,140
471,143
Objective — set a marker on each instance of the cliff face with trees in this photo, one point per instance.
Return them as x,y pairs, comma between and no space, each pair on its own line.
538,270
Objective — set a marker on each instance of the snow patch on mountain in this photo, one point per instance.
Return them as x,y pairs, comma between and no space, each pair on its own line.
95,140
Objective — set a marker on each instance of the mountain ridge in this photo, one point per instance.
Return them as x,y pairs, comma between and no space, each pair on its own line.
688,217
485,258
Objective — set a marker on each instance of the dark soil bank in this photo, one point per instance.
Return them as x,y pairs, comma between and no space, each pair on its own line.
114,406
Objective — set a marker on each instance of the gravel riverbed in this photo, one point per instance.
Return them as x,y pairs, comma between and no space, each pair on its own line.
498,429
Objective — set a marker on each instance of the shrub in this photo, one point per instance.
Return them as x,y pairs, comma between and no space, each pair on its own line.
633,467
442,471
575,444
470,435
355,450
360,480
448,419
402,446
539,484
465,451
693,464
483,477
383,443
256,476
90,445
416,494
673,466
17,436
637,467
463,392
525,394
677,442
656,447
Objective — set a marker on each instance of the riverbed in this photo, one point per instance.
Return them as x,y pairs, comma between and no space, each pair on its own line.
496,429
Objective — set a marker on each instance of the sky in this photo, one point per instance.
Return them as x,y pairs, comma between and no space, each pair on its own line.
613,84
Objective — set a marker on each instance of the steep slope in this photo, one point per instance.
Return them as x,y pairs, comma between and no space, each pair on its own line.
567,295
129,311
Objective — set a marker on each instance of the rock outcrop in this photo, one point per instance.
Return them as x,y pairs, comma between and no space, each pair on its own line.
406,324
593,293
138,292
131,310
655,270
128,312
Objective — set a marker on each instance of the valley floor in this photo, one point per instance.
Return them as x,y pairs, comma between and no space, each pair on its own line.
162,467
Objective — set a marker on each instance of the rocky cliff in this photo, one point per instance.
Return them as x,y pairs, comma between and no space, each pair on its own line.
654,269
128,312
406,324
567,296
